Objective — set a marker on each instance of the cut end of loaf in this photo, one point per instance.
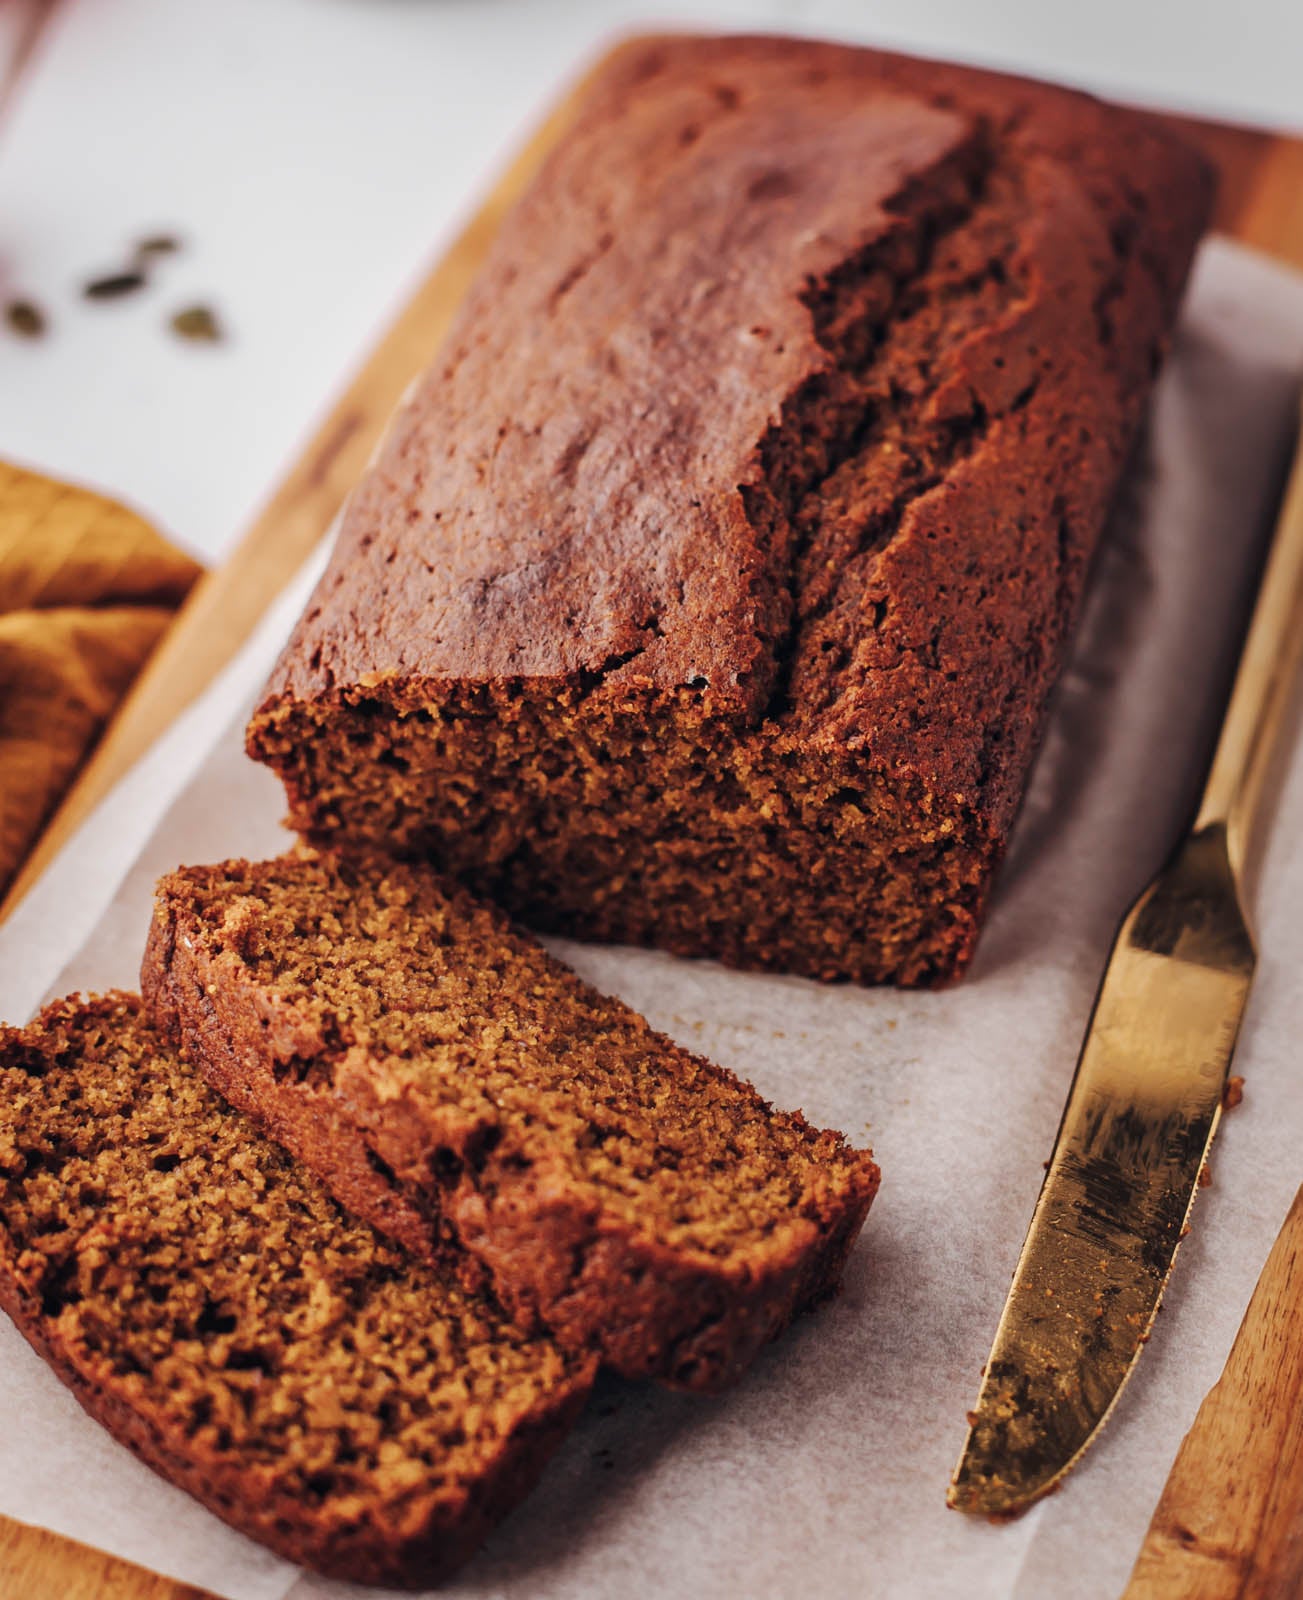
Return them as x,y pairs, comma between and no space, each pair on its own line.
645,822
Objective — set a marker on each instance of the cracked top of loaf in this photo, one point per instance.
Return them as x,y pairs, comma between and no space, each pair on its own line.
797,384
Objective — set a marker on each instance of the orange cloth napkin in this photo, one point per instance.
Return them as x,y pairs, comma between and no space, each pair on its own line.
86,591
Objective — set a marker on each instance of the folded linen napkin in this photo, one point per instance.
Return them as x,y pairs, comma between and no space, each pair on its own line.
87,589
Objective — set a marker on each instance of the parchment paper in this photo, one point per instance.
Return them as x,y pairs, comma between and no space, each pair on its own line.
824,1473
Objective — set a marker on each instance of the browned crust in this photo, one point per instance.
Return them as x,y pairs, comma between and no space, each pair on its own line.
647,1308
622,493
227,1044
451,1526
480,549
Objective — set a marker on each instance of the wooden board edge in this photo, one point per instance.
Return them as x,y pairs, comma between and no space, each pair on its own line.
1229,1525
39,1565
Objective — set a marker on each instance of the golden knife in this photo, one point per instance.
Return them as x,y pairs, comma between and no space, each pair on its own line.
1144,1103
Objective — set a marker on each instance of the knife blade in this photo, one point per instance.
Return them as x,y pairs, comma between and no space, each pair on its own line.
1144,1103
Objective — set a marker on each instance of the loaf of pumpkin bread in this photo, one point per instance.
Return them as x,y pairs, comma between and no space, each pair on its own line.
710,591
458,1087
208,1302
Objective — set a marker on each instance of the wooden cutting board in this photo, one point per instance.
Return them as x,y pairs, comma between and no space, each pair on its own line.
1260,203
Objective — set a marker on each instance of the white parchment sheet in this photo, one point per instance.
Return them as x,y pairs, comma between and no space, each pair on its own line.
824,1473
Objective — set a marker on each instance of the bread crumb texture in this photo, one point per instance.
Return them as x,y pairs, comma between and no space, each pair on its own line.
207,1300
628,1194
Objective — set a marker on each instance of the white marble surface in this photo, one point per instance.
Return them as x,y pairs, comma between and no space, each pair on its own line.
317,153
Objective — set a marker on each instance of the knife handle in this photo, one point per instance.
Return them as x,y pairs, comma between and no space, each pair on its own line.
1233,791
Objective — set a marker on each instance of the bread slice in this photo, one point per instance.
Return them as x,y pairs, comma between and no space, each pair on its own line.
444,1073
209,1303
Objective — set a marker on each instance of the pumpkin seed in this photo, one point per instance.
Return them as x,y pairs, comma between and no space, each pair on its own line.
197,323
25,318
114,285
